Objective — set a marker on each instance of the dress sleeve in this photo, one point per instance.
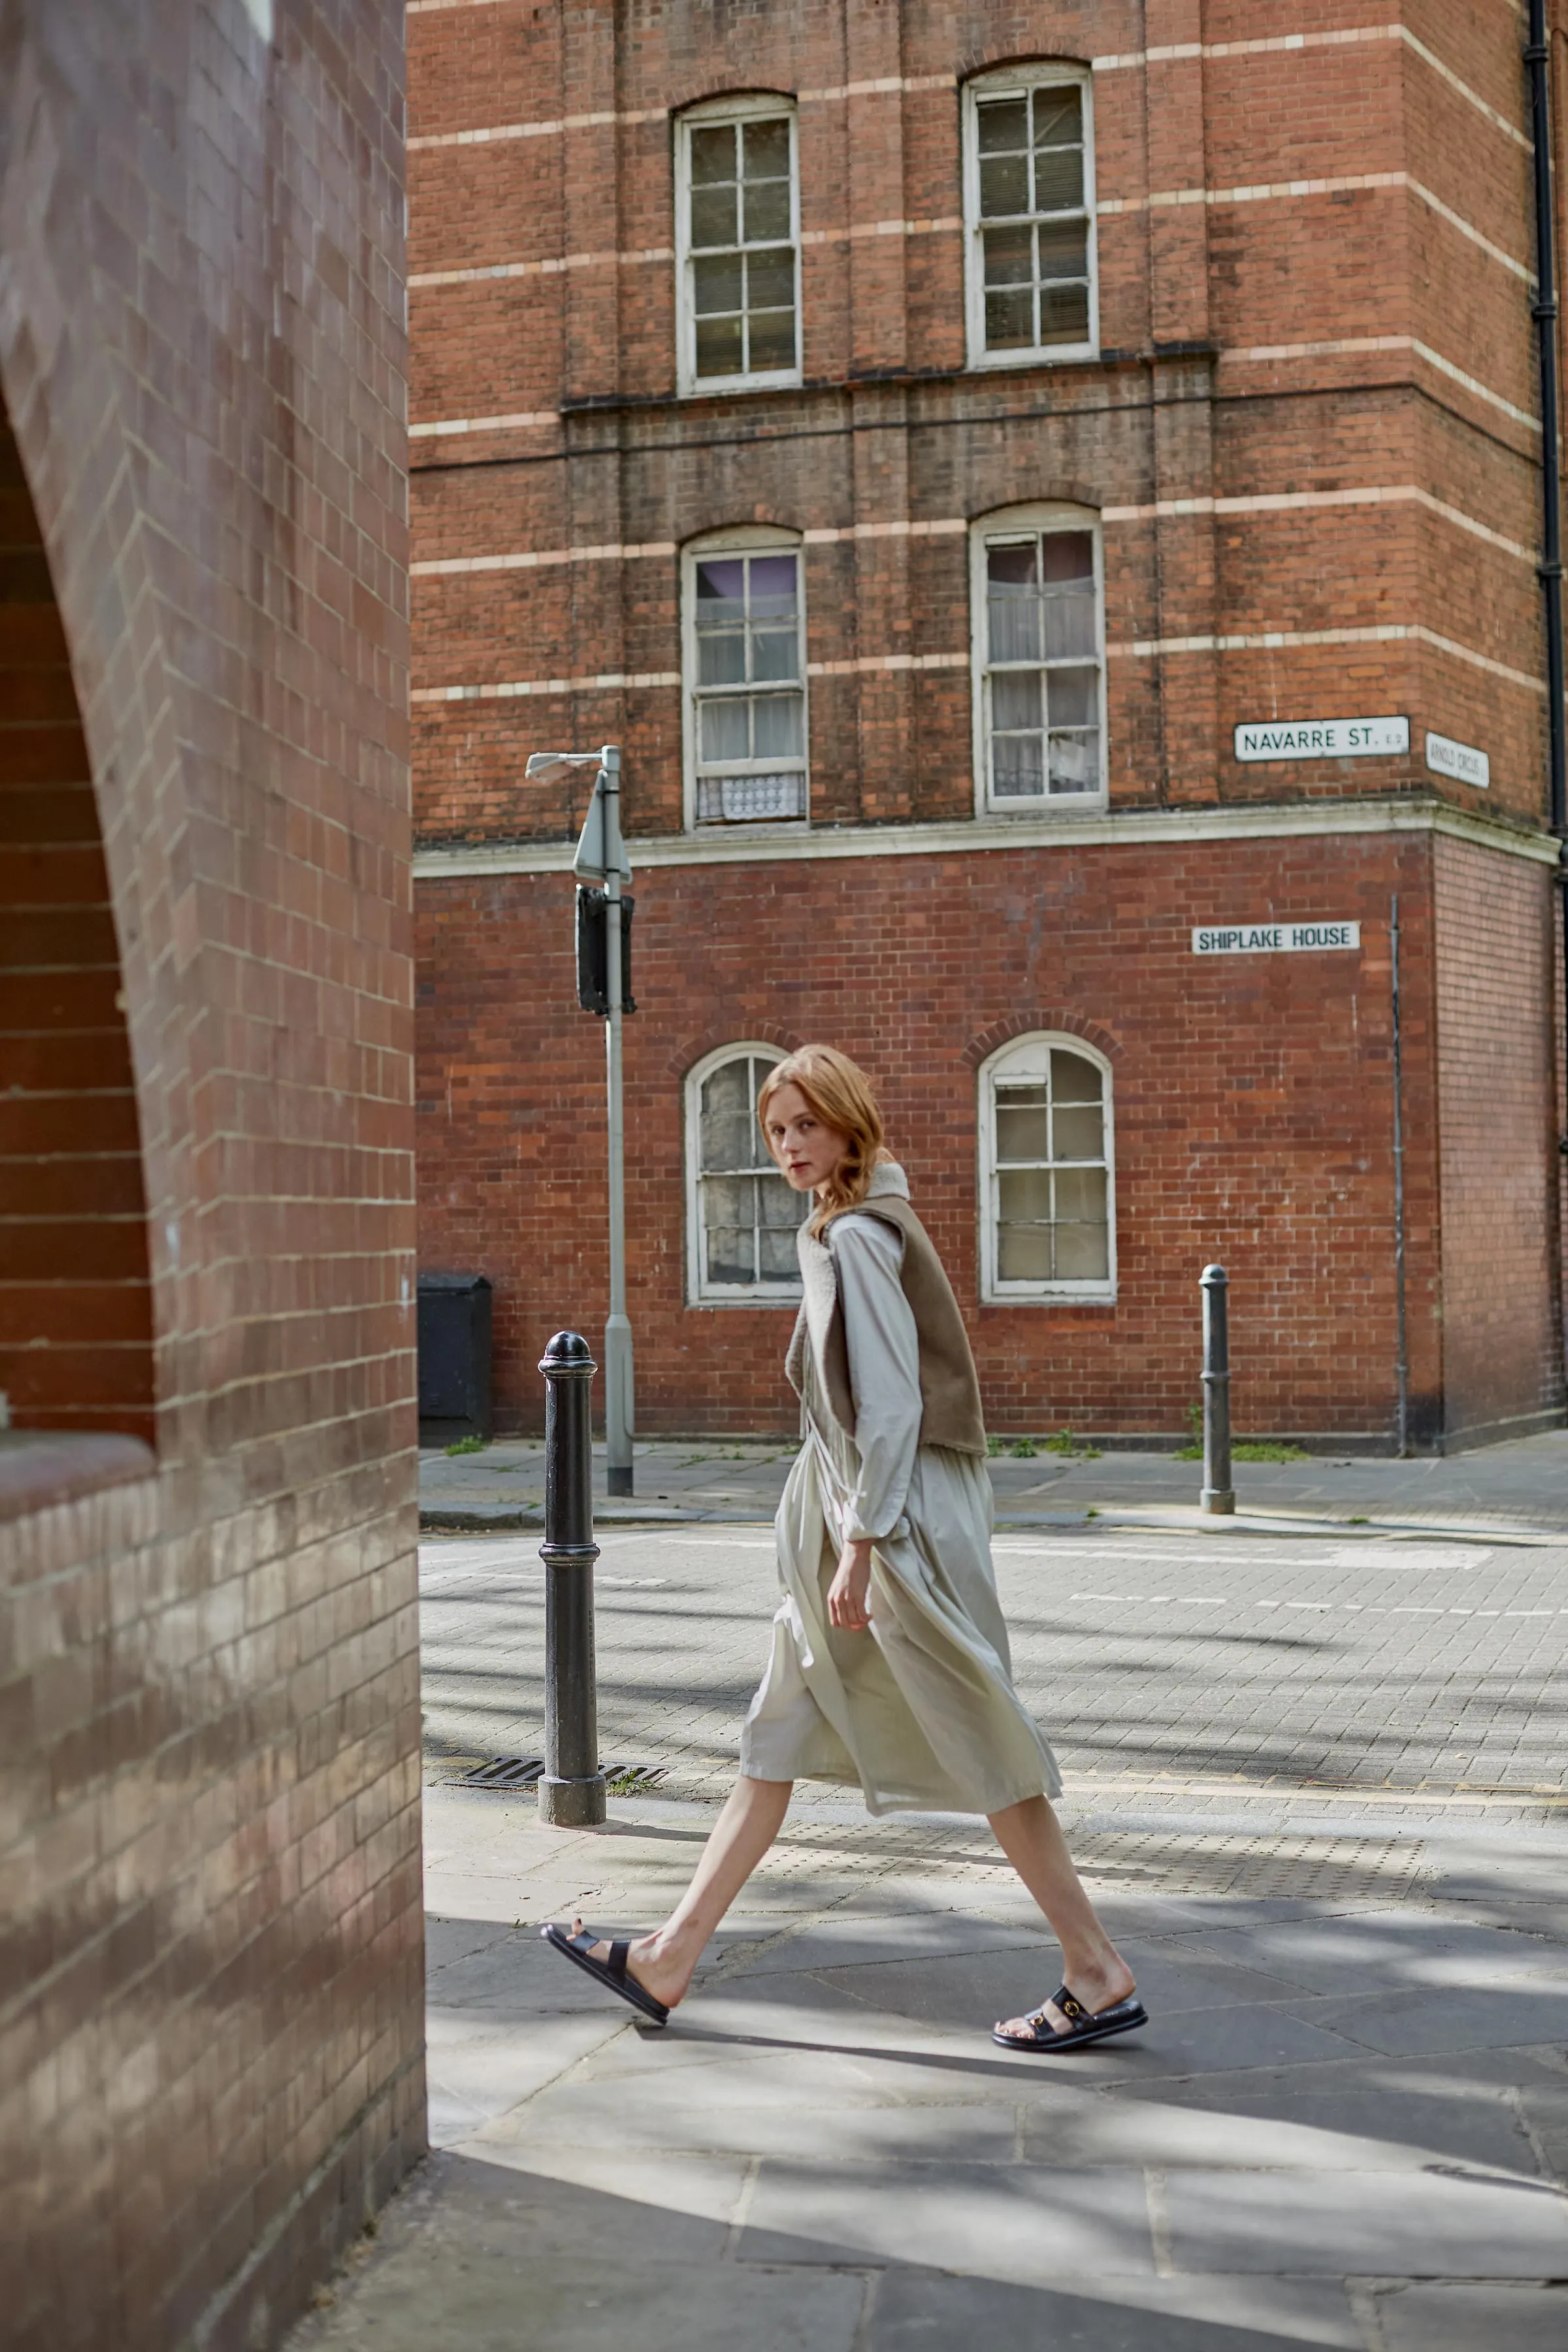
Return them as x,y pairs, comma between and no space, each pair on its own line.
884,1369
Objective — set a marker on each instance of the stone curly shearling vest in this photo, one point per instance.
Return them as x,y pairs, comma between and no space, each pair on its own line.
950,1389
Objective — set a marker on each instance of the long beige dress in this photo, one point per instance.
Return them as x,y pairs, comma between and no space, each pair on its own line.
920,1713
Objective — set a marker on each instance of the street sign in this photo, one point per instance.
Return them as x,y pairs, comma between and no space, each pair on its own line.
592,863
1460,760
1322,739
1273,938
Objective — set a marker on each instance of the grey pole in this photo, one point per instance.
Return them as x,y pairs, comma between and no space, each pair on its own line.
572,1788
620,1412
1218,1497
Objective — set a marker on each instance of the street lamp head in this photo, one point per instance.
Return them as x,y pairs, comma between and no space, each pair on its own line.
552,764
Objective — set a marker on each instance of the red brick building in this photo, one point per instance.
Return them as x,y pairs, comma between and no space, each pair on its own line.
968,460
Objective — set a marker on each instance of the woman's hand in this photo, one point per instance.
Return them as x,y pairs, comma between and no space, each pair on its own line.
849,1595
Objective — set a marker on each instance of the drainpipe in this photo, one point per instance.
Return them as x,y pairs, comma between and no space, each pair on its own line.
1544,312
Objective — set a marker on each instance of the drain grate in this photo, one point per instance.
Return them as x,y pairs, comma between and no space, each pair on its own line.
524,1771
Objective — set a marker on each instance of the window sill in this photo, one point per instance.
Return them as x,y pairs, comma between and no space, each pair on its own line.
1054,355
1048,1298
42,1468
751,1298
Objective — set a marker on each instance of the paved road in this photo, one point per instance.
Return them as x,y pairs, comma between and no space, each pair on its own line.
1364,1660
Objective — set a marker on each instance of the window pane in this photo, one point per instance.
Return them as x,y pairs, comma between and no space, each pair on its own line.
770,278
772,584
1004,185
1058,118
750,800
782,1210
719,346
1024,1254
1016,699
1073,1078
1075,762
720,591
1004,122
1074,696
713,153
730,1200
1058,180
1014,604
1068,555
1079,1134
731,1254
1080,1195
725,732
1064,313
772,339
720,658
1023,1130
716,284
727,1122
1083,1253
1017,767
775,654
767,149
776,728
713,215
1009,256
767,210
1011,569
1026,1196
780,1260
1010,321
1070,621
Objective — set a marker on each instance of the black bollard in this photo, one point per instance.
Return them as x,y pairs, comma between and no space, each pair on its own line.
1218,1497
572,1788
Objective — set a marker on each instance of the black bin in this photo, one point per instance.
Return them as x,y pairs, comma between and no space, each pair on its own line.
453,1358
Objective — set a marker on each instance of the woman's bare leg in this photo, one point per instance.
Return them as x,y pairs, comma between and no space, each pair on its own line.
663,1962
1030,1835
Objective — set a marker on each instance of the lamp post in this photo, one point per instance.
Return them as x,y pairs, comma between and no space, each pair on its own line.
602,859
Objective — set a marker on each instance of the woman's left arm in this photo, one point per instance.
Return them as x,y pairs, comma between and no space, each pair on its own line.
884,1370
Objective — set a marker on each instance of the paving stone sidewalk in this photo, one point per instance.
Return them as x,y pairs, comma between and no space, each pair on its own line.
1346,2126
1321,1791
1521,1485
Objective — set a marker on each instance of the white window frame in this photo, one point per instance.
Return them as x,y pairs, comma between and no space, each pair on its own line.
760,108
752,538
1015,1058
1019,82
1018,522
699,1292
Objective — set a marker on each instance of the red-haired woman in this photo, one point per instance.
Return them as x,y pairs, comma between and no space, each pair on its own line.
890,1669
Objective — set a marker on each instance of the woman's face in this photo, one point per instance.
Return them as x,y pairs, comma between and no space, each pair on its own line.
806,1151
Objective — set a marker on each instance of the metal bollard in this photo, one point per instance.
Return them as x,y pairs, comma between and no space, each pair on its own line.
572,1788
1218,1497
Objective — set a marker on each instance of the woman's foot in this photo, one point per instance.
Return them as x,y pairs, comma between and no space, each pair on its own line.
650,1960
1098,1986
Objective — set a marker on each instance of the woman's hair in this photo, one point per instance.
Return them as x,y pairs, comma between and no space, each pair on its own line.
839,1093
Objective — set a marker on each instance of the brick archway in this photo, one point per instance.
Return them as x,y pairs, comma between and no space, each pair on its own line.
75,1325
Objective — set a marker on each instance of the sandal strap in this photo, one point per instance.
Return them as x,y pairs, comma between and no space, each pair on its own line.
1071,2008
616,1963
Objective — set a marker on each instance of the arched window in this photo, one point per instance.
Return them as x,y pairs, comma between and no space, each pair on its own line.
744,666
737,245
1028,202
1037,631
741,1213
1047,1172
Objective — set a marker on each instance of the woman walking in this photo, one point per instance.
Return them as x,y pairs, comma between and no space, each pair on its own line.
890,1667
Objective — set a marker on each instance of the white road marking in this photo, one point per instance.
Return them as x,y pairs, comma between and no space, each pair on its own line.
1352,1608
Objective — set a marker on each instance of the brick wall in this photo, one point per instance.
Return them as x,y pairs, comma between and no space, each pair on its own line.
1252,1111
211,1980
75,1309
1310,432
1495,979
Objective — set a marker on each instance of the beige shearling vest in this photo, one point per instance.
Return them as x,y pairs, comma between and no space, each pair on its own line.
950,1389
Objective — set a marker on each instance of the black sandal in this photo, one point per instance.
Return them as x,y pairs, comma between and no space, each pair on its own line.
1084,2025
611,1973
